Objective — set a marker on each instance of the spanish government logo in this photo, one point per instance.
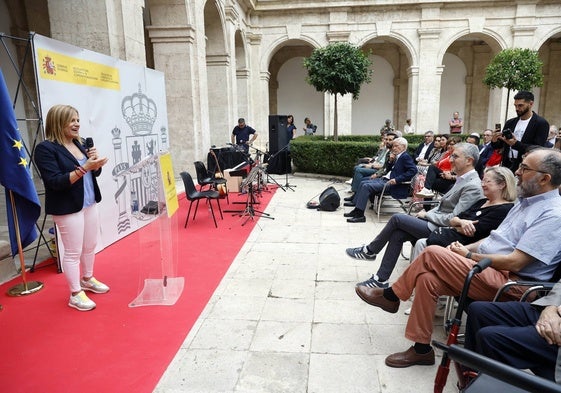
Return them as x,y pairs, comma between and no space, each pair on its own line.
49,66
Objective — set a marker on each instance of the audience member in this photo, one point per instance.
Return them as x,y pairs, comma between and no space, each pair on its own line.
499,188
402,227
456,123
401,171
521,132
387,127
485,152
376,166
474,139
519,334
422,152
552,137
408,128
440,176
516,248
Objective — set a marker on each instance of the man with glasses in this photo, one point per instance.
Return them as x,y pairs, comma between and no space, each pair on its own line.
485,152
516,248
521,132
423,150
403,227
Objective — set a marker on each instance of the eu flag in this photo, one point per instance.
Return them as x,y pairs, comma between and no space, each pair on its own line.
15,175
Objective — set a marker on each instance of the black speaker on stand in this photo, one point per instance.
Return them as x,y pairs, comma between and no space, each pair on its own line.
278,137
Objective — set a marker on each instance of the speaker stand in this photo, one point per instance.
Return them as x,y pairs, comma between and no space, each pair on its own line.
286,167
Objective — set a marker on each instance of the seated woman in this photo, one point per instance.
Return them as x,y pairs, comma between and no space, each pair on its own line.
440,176
475,223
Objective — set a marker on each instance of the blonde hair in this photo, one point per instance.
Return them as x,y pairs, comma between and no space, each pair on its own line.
503,175
58,117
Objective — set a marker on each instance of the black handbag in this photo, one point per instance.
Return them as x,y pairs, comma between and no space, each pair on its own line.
444,236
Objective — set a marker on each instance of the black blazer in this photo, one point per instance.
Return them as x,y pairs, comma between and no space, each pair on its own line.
535,135
55,163
427,153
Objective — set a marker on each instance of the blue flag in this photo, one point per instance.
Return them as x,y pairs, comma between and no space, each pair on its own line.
15,175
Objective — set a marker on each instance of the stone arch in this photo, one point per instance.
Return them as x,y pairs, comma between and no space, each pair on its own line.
478,106
288,90
243,75
549,51
373,106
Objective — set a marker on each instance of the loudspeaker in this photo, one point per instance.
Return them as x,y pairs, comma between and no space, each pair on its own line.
329,200
278,137
279,163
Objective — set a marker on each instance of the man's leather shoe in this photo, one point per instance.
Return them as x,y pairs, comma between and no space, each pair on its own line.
357,219
352,213
410,358
349,198
375,297
349,204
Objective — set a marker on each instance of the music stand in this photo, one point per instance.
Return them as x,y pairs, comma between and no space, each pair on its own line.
270,179
250,212
287,164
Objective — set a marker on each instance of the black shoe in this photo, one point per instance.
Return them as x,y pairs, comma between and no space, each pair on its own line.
352,213
351,204
357,219
349,198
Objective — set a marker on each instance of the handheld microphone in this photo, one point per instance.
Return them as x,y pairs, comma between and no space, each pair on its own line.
89,143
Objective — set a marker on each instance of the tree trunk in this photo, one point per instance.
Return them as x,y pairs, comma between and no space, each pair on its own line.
506,110
335,127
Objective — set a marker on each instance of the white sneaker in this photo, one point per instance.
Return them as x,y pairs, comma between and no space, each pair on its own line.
350,181
424,193
81,302
93,285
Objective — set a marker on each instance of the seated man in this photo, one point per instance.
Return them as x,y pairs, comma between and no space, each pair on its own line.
516,249
422,151
402,227
374,168
520,334
402,170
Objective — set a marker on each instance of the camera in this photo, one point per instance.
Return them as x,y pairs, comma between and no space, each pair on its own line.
507,133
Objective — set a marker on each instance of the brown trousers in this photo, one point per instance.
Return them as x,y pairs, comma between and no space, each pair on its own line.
436,272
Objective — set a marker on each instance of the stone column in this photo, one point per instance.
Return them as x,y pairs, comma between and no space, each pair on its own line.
174,55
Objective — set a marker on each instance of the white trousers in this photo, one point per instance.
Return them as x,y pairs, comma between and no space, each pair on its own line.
78,232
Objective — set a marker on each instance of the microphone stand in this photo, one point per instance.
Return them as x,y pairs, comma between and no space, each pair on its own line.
270,179
287,164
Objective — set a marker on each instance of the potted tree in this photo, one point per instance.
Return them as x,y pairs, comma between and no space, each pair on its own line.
515,69
338,68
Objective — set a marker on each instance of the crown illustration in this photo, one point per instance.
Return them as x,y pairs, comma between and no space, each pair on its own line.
139,112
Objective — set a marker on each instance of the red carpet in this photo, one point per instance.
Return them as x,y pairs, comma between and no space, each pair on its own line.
46,346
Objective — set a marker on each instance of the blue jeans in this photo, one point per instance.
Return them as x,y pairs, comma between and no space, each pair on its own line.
359,174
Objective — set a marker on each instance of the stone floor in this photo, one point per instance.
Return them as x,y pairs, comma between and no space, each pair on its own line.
285,318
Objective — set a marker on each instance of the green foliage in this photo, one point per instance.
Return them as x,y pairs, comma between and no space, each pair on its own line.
515,69
338,68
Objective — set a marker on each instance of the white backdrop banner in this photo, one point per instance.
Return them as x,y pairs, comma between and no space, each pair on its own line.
122,106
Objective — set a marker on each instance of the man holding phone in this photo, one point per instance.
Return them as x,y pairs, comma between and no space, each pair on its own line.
520,132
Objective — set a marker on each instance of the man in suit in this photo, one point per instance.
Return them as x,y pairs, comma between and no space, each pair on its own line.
485,152
516,248
521,132
403,227
510,331
402,170
423,150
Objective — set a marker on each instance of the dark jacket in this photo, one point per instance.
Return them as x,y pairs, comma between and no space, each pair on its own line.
402,170
55,163
427,153
536,134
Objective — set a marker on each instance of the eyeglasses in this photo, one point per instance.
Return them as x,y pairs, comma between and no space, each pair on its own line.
454,156
523,168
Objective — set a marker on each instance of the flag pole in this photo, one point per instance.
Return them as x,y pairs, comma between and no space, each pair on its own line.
24,288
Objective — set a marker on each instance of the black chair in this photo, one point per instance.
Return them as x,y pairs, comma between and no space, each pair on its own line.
193,195
204,178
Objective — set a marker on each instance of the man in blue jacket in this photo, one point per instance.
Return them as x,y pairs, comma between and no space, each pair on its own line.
402,170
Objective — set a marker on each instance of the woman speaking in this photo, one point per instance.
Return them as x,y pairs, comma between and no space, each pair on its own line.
69,172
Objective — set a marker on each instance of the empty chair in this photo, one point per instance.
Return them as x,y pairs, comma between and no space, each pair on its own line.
204,178
194,195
